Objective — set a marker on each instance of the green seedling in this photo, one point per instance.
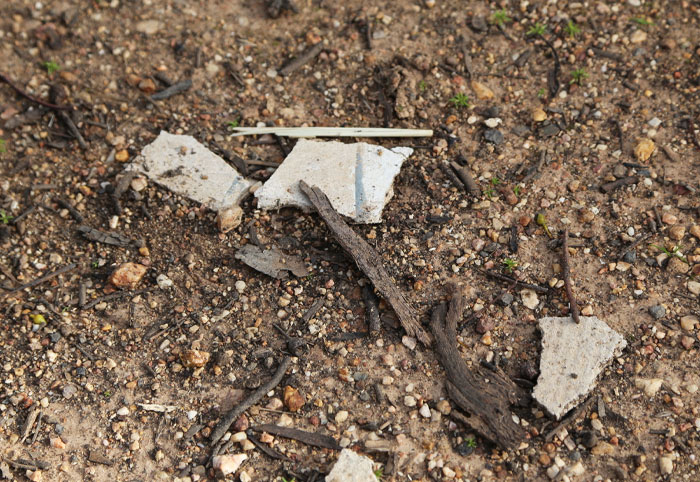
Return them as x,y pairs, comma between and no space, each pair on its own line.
516,190
537,30
2,146
673,253
489,193
4,217
234,123
572,30
577,76
542,221
460,100
500,17
541,93
510,264
379,473
285,480
422,85
471,442
50,66
642,21
495,181
95,264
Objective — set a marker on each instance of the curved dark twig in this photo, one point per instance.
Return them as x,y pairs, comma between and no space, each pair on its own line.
24,94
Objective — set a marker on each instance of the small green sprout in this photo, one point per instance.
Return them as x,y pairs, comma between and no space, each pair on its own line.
516,190
541,93
460,100
95,264
107,393
500,17
2,146
422,85
4,217
51,66
379,473
537,30
572,29
234,123
495,181
510,264
577,76
285,480
471,442
489,193
642,21
673,253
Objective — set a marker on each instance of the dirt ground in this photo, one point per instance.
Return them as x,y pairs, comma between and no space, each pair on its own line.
483,76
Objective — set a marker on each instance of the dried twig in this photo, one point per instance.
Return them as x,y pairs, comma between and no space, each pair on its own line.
306,56
515,282
465,176
174,89
611,186
566,273
249,401
309,438
368,260
6,79
47,277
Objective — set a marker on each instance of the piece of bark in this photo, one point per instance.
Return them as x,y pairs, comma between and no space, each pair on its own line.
369,262
465,176
484,395
272,261
112,238
306,56
374,322
309,438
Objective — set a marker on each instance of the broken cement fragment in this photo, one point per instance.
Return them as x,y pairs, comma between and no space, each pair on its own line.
573,355
188,168
352,467
357,178
272,261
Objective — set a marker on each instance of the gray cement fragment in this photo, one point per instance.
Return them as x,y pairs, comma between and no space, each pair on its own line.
357,178
189,169
573,355
352,467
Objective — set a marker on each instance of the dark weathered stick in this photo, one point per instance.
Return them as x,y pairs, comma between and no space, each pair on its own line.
466,177
308,55
447,170
611,186
566,272
73,212
484,396
47,277
553,75
7,80
250,400
73,129
309,438
374,322
264,448
508,279
368,260
174,89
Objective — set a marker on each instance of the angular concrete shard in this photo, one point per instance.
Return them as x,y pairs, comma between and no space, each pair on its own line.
352,467
573,355
186,167
357,178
